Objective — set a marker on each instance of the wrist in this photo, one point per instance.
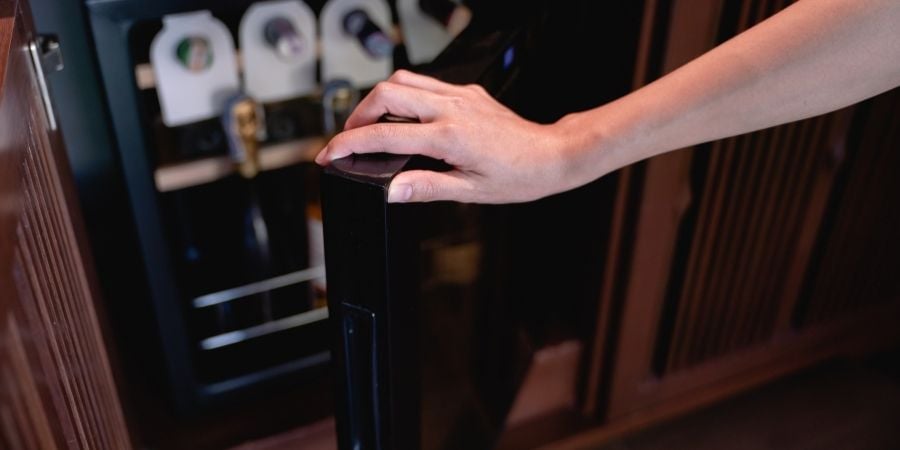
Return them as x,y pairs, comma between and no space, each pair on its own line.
591,146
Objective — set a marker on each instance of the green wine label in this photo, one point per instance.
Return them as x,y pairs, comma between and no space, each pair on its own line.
194,53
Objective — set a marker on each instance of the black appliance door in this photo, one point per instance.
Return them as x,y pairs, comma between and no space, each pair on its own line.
430,346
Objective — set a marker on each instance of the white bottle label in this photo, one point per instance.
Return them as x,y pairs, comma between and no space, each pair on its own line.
195,67
278,45
343,56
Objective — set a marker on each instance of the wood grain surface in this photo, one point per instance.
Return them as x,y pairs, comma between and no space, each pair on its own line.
56,386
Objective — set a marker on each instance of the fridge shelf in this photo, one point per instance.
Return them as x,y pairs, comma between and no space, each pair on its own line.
183,175
258,287
263,329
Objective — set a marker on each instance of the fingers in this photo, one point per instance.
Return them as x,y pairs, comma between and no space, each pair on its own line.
397,138
404,94
427,186
407,78
426,83
397,99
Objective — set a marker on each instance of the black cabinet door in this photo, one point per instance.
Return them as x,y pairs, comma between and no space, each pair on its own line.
429,347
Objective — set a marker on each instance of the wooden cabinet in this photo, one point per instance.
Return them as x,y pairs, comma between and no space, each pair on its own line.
744,259
57,389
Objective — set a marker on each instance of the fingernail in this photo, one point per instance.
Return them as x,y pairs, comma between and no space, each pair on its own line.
399,193
320,158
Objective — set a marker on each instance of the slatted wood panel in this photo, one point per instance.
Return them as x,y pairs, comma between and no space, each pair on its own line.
753,196
723,239
857,264
57,301
737,242
56,384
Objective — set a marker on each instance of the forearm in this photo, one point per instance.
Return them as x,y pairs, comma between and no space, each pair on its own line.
814,57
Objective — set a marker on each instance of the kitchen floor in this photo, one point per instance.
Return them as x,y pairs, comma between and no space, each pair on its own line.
843,405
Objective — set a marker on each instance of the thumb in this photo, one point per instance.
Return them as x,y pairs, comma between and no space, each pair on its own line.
427,186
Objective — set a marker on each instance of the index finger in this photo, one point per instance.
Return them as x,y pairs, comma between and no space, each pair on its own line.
397,138
396,99
412,79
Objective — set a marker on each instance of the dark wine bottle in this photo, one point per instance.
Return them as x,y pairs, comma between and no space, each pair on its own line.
371,37
284,38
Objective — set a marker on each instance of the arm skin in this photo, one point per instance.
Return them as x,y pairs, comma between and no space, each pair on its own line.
813,57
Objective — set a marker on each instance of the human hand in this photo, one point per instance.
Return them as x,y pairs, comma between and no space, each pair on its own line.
497,156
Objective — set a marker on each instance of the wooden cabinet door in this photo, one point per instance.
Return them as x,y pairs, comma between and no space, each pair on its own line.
56,386
747,255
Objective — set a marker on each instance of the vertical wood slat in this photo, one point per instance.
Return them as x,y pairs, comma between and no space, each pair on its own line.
721,300
861,252
34,239
882,208
53,293
829,161
710,206
767,227
727,301
699,306
855,209
706,278
757,228
31,428
790,224
707,300
870,211
700,265
695,324
773,267
696,281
